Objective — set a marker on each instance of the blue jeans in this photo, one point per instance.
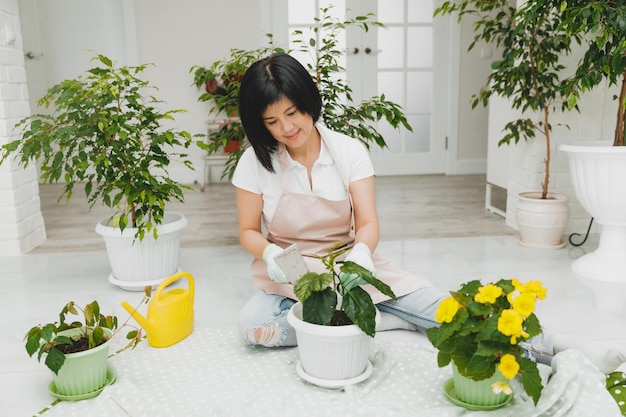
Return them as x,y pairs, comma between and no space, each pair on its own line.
263,319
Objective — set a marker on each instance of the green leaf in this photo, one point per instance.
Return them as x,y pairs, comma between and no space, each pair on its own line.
480,367
531,379
350,267
55,360
311,282
319,307
358,305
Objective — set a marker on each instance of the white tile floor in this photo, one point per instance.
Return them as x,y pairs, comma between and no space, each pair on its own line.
35,287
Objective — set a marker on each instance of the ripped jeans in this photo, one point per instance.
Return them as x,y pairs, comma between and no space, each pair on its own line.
263,319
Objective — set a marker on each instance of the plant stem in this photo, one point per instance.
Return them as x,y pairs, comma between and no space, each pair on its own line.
546,132
621,115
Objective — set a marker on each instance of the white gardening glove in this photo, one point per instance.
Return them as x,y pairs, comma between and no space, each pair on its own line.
273,270
360,254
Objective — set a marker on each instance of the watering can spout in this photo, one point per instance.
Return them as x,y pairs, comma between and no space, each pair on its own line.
143,321
170,313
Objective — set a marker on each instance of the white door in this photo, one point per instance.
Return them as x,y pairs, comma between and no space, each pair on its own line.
408,62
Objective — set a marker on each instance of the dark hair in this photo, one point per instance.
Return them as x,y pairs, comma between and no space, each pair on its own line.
266,82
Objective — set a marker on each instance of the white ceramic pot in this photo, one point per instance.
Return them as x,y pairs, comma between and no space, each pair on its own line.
330,352
137,264
542,222
598,171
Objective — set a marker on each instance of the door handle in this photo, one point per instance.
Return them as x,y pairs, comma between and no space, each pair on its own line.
353,51
369,51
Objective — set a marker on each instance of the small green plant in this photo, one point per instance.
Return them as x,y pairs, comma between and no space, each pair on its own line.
339,111
107,133
320,294
45,339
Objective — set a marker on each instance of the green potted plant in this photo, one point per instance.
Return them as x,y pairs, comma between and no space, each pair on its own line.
108,135
219,84
77,351
481,327
597,166
339,113
530,74
335,319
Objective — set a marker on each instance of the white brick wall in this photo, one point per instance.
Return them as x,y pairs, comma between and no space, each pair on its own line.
21,222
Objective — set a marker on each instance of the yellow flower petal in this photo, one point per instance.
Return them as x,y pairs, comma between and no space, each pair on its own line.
488,294
508,366
447,310
524,304
510,323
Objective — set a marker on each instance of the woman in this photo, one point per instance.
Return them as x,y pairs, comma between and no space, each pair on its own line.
301,183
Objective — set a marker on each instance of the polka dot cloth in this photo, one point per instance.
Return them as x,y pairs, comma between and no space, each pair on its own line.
214,373
616,384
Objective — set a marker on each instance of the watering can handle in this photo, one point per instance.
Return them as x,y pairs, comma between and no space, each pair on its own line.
175,277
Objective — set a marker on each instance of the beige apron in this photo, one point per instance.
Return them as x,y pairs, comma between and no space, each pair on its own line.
314,224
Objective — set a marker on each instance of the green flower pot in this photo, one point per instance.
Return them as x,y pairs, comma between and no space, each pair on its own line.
83,372
478,393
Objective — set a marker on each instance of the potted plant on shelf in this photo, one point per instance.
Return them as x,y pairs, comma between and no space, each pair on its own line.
220,86
598,166
108,134
530,74
77,352
335,321
339,113
480,333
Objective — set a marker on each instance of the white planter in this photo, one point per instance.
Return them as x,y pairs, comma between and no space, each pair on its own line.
597,171
330,352
542,222
136,264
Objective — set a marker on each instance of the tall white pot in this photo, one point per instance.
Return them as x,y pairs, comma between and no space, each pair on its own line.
598,171
330,353
542,222
137,264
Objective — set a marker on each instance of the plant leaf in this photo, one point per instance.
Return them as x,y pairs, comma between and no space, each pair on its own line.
319,307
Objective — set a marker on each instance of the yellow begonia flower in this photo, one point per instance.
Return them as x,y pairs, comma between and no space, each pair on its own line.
524,304
501,386
510,323
447,310
536,288
532,287
488,294
508,366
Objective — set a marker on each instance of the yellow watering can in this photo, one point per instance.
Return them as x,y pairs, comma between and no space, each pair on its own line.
170,313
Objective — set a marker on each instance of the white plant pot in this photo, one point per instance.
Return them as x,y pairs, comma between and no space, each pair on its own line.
542,222
330,352
137,264
597,171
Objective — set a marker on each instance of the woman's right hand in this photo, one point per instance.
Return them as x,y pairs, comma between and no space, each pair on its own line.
273,270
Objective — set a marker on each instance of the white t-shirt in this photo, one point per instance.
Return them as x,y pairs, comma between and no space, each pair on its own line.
326,176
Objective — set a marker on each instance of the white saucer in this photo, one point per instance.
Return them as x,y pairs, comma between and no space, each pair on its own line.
334,383
136,285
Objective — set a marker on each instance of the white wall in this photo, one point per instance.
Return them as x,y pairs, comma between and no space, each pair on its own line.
21,222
